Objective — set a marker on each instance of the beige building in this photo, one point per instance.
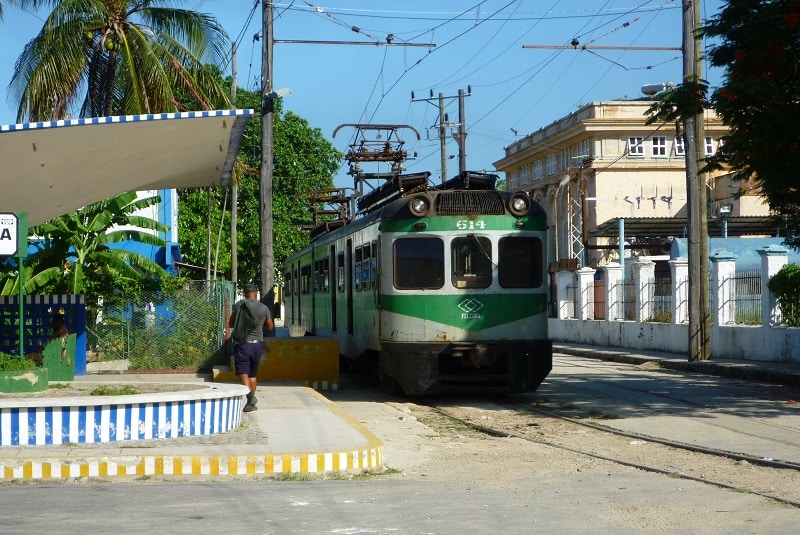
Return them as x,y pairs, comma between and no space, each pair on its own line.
602,173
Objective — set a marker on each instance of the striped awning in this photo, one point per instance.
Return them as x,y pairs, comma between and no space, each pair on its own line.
51,168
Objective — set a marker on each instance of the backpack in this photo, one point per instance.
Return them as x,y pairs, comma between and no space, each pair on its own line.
245,322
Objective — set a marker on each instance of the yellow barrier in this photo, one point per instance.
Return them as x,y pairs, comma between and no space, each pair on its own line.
310,360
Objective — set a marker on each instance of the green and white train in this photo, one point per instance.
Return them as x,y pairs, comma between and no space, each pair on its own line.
441,289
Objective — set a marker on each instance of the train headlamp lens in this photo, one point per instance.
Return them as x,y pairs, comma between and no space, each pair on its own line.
419,205
519,205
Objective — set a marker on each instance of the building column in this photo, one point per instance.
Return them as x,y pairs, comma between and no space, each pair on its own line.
723,288
585,294
773,258
679,268
643,273
613,276
565,307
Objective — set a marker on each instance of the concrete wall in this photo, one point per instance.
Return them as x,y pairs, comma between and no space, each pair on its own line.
764,343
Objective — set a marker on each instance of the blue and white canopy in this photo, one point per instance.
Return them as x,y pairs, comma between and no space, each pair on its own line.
52,168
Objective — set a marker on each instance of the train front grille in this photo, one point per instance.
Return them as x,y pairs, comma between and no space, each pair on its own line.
469,203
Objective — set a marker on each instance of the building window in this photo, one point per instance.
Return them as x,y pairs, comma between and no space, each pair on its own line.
513,181
583,149
565,159
680,146
659,146
709,146
526,174
551,164
538,173
635,146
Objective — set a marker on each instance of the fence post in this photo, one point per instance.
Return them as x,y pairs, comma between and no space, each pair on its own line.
723,287
773,258
585,294
613,275
643,273
563,279
679,269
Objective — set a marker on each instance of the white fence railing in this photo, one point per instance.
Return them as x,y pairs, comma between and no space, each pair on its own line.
656,318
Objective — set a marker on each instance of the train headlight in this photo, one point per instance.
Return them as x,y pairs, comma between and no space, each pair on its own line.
519,205
420,205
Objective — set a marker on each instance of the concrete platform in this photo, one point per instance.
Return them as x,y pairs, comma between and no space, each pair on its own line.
294,431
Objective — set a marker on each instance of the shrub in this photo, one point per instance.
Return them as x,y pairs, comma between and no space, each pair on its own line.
785,285
11,363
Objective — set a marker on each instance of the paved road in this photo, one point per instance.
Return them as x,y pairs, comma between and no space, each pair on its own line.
756,419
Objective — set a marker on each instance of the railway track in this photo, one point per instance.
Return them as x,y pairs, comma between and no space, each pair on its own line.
517,418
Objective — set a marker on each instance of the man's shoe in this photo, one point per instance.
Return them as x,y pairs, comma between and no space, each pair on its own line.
249,408
253,400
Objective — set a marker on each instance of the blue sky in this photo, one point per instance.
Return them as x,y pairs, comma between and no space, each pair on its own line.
479,45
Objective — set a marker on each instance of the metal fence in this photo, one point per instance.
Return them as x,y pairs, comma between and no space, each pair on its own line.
747,297
184,330
659,290
626,300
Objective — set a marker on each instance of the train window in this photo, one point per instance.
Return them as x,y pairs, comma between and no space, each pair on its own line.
520,262
418,263
326,285
287,282
374,264
471,259
340,272
305,279
357,270
365,273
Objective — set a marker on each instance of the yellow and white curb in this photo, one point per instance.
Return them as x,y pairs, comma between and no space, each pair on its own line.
81,465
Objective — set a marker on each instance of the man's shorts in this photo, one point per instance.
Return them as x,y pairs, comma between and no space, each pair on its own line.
247,358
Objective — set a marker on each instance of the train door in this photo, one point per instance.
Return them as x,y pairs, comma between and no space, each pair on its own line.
333,289
295,295
349,287
340,281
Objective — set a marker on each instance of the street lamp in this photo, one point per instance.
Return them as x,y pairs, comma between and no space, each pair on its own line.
725,212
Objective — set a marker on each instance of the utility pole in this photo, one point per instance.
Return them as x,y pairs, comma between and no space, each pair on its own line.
699,317
461,137
234,185
442,138
267,154
444,124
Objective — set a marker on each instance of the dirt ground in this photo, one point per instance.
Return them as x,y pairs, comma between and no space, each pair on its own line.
74,389
441,448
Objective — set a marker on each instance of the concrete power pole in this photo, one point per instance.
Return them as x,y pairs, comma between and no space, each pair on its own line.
442,138
267,154
234,186
699,308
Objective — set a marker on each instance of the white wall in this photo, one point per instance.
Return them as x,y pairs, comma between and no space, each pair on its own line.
763,343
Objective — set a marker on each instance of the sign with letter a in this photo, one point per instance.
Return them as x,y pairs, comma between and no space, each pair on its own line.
9,234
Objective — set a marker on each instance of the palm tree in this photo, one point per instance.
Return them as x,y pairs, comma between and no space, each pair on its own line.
117,57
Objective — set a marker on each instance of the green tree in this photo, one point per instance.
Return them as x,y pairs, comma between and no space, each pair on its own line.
74,254
117,57
303,161
758,44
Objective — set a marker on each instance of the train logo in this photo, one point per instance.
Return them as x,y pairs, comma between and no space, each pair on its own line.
470,307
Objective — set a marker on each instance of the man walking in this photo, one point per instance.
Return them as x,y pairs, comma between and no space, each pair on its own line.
248,320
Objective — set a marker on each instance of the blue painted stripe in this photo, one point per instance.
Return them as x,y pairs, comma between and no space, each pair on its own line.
15,427
125,119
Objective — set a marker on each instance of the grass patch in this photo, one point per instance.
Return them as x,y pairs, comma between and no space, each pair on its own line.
106,390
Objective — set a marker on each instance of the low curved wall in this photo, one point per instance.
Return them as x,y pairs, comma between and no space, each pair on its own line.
215,408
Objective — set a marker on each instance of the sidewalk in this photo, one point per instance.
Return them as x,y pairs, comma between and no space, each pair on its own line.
750,370
295,431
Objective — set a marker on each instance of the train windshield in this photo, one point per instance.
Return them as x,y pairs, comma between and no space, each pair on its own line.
418,263
471,259
520,264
